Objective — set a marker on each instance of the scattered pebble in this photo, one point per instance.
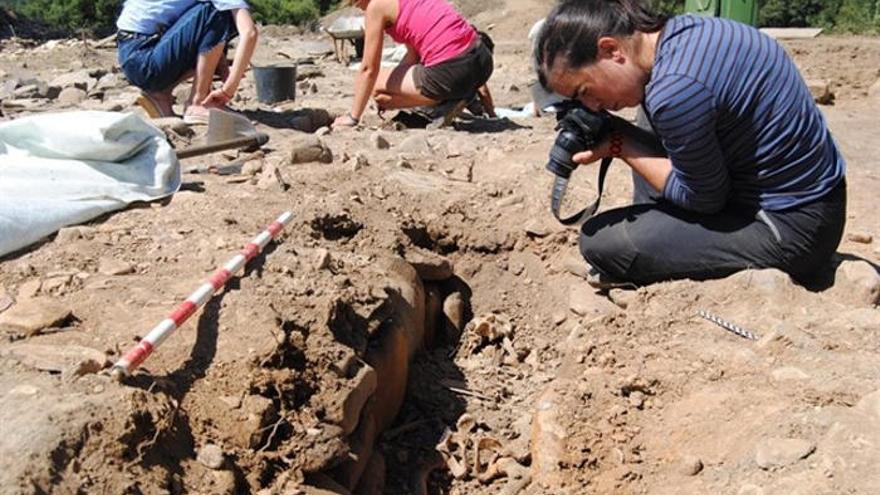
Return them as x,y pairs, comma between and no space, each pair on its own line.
860,237
779,452
211,456
690,465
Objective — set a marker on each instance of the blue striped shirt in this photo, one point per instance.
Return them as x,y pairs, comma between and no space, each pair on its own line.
737,120
145,16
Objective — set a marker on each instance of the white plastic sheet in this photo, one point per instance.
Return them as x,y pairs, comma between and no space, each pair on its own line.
67,168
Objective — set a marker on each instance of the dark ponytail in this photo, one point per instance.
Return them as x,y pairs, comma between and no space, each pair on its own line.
573,28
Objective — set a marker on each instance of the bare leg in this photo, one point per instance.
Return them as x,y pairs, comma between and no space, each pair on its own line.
395,88
204,76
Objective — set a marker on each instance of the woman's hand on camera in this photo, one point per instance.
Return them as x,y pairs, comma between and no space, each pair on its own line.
602,150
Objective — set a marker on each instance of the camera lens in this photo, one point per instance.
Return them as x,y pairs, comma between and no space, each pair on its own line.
567,144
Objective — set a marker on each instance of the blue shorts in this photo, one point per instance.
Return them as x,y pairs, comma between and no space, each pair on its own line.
158,62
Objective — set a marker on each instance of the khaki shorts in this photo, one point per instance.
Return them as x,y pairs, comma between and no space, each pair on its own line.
457,78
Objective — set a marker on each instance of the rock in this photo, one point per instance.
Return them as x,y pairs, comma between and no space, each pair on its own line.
113,266
30,288
358,162
538,228
109,81
68,234
690,465
175,125
211,456
513,199
378,140
252,167
256,414
780,452
768,280
857,282
821,91
58,358
322,259
416,144
860,237
25,390
349,403
31,316
583,301
310,148
622,298
454,309
71,96
575,265
309,119
78,80
430,266
788,373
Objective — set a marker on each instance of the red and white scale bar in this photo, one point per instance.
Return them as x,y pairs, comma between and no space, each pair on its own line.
197,299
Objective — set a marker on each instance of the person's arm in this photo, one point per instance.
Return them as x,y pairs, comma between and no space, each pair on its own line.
374,26
247,43
693,174
486,99
639,149
411,57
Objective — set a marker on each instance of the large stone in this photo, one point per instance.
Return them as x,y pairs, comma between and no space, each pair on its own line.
583,301
256,414
71,96
80,79
309,148
57,358
780,452
31,316
454,308
857,283
430,266
348,409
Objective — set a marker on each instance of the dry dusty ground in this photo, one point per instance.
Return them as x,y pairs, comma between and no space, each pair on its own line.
292,375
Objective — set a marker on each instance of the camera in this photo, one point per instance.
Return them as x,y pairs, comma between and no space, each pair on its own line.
579,129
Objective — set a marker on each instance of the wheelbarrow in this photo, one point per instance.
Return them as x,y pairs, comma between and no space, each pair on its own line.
346,31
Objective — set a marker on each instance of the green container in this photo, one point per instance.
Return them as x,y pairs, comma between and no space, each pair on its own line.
744,11
703,7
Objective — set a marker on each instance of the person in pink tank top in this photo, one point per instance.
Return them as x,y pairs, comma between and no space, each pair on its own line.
447,61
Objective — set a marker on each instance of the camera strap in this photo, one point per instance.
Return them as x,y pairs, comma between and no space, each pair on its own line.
560,185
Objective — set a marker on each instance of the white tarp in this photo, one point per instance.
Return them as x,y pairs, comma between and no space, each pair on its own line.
66,168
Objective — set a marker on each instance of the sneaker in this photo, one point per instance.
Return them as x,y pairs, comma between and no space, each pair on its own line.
445,113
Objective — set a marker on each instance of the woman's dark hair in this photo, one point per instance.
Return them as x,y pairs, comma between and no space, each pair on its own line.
573,28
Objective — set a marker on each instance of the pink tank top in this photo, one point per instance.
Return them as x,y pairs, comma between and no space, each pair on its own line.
433,29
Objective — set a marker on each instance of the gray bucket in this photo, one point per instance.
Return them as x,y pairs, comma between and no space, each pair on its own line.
276,82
